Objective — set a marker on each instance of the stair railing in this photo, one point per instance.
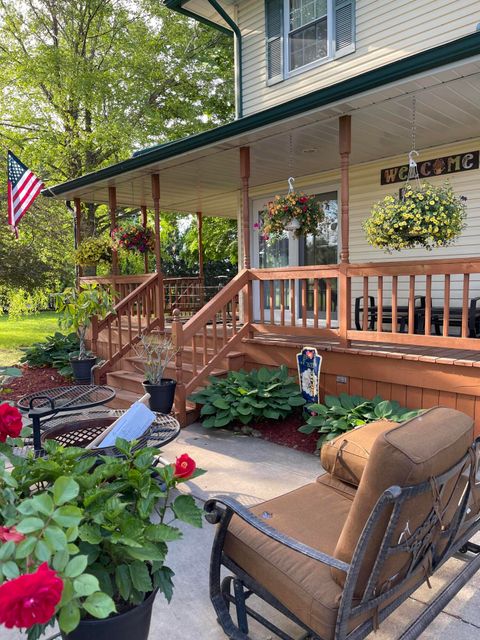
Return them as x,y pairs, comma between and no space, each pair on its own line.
136,315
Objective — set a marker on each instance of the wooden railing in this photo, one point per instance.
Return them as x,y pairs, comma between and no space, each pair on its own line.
122,285
136,315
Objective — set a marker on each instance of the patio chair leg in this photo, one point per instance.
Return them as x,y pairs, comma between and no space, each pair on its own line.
240,605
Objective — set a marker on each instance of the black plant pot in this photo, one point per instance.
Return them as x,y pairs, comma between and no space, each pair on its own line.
133,624
161,395
82,369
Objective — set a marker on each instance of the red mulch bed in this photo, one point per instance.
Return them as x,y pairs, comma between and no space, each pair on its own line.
286,432
32,380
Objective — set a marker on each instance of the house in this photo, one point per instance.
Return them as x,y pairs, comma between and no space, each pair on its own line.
334,93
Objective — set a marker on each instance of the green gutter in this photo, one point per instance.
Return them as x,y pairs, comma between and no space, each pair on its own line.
176,5
448,53
238,48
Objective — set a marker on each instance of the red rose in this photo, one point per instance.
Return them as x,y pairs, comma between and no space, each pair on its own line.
10,422
10,533
184,467
30,599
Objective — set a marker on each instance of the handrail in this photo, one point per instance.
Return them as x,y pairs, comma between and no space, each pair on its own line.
126,301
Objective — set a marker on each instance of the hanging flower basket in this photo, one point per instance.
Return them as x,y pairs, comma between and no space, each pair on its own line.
133,237
426,216
93,251
294,212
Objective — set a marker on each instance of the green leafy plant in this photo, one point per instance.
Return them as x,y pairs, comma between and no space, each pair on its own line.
96,528
78,306
266,393
92,251
343,413
305,211
55,351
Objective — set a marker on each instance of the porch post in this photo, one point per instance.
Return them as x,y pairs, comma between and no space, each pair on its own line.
112,205
156,208
78,222
143,209
345,306
200,257
345,148
245,175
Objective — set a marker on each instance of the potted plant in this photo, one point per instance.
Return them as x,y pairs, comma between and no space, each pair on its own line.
93,251
77,308
295,211
83,540
424,215
134,237
155,353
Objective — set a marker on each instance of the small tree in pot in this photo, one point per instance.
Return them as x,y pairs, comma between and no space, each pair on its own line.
77,308
155,353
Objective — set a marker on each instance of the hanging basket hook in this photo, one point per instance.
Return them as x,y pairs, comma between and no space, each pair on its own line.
291,188
411,161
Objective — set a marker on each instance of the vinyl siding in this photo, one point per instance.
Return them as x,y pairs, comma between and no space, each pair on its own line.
385,32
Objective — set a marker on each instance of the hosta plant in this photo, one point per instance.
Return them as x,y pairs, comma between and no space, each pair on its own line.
245,397
55,351
84,537
343,413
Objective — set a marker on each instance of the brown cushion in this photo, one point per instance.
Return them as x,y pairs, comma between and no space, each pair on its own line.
303,585
409,454
345,457
347,490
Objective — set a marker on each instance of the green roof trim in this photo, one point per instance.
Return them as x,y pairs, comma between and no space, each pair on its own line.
176,5
441,55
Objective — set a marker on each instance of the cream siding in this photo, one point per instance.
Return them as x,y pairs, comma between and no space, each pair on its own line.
385,32
365,189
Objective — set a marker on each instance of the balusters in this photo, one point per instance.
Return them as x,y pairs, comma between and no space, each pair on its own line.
224,325
120,329
194,355
428,304
205,344
365,304
411,305
328,304
292,303
394,303
380,303
303,284
139,318
234,315
129,322
446,305
214,333
466,286
271,284
282,303
110,346
315,303
262,302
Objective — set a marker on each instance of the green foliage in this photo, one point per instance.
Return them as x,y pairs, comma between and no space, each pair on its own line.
266,393
78,306
94,250
102,524
54,351
343,413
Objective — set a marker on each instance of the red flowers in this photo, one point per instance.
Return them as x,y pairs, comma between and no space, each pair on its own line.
184,467
10,533
30,599
10,422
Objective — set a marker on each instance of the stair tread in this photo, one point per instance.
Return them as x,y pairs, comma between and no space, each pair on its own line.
186,366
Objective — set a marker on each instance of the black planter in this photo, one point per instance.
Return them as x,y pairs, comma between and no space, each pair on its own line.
161,395
133,624
82,369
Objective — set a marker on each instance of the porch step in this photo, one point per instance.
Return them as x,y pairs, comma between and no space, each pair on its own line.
125,399
132,363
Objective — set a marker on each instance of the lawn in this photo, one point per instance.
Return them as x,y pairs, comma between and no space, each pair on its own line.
22,332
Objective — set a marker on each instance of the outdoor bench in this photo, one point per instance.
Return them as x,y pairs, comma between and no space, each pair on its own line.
339,555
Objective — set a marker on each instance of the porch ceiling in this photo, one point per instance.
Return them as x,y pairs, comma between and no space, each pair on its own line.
208,178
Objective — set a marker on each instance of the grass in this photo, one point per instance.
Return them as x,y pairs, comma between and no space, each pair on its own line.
22,332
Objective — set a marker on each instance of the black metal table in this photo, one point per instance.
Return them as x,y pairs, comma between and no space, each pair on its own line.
50,402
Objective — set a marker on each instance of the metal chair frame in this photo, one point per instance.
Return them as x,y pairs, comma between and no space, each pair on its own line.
428,539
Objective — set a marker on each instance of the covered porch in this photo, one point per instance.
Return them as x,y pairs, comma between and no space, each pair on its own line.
337,292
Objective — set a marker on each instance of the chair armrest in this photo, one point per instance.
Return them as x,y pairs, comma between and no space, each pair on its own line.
473,303
422,301
214,515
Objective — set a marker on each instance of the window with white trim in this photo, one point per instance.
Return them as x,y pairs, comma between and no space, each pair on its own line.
303,33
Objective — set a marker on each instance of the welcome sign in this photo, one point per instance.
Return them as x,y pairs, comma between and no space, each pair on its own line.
435,167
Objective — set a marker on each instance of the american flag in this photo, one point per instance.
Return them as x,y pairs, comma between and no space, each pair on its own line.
23,188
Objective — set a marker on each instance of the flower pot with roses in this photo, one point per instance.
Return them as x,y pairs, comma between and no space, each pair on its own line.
84,539
134,237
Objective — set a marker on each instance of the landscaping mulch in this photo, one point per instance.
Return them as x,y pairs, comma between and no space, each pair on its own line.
286,432
32,380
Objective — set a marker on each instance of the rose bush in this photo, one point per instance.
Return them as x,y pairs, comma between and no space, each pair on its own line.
10,422
86,536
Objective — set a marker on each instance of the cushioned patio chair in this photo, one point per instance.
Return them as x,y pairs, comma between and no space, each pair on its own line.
337,556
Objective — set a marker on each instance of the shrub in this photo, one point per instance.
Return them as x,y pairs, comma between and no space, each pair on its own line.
54,351
266,393
343,413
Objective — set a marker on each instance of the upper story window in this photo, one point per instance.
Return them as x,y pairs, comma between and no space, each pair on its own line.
303,33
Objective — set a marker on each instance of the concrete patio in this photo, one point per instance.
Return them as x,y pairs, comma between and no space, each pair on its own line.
253,470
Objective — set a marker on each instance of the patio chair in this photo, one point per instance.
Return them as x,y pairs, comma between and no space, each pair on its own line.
337,558
387,316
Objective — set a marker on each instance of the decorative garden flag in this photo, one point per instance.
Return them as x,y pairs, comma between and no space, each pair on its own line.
23,189
309,363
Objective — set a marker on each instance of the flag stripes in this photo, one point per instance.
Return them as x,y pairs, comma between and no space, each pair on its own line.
23,189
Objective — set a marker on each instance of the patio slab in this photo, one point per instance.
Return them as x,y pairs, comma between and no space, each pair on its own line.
253,470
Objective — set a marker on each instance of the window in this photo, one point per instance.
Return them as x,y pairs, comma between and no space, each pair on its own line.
300,33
